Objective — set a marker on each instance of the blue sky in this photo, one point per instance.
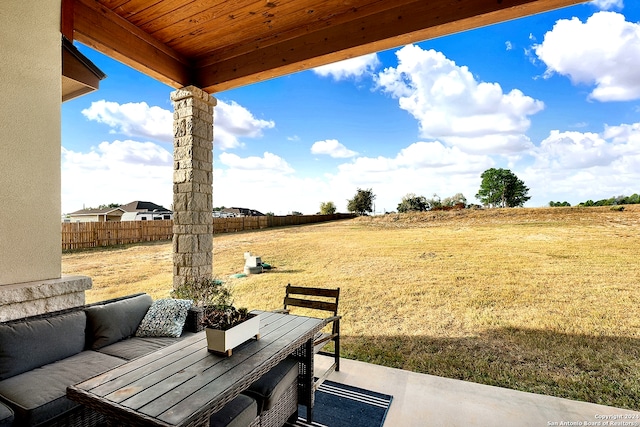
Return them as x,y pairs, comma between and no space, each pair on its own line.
554,97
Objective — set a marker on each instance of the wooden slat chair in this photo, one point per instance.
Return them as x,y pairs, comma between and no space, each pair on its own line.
325,300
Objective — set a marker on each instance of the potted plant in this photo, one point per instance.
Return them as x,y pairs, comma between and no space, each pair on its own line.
213,310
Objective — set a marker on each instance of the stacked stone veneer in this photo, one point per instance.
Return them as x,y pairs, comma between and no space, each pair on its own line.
28,299
192,184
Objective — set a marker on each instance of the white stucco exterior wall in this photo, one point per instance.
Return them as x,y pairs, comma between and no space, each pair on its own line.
30,86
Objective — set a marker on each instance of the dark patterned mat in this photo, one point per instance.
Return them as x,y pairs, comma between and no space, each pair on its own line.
339,405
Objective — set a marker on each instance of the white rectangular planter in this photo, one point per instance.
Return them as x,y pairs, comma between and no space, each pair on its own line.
223,342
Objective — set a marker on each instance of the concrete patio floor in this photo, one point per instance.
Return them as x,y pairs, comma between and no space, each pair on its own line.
427,400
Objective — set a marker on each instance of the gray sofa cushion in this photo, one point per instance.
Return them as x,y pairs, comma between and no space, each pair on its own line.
134,347
33,343
40,394
240,412
110,323
272,385
6,415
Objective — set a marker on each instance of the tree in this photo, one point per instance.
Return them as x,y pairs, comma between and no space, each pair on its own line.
413,203
362,202
457,199
501,188
327,208
434,202
105,206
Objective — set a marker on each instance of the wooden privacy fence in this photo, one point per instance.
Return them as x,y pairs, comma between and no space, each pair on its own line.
81,235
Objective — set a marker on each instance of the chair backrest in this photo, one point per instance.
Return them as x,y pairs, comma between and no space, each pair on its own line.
312,298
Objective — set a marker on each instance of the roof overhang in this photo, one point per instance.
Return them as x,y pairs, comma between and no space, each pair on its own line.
218,45
79,75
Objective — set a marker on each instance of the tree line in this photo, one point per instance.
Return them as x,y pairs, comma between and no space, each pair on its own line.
634,199
499,188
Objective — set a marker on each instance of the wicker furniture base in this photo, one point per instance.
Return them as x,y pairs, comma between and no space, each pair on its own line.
79,417
284,408
306,391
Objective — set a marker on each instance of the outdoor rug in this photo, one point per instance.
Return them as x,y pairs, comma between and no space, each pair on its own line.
339,405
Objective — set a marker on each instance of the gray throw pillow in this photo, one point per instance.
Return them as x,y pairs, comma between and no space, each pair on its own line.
165,318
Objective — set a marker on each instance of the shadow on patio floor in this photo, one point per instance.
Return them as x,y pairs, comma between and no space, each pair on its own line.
597,369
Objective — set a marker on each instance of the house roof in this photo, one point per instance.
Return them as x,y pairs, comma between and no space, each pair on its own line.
139,206
104,211
135,206
243,211
218,45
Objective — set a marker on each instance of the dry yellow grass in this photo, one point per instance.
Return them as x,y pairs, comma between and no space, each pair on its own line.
542,300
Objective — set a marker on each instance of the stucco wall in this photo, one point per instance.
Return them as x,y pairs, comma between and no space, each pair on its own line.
30,86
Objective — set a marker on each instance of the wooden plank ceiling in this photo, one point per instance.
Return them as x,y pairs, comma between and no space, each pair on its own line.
222,44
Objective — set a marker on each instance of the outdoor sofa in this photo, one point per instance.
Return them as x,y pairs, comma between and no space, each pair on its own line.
41,355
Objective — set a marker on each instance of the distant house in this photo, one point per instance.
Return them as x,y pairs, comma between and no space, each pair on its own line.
145,211
236,212
134,211
96,215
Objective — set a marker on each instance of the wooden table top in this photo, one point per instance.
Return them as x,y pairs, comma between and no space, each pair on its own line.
183,384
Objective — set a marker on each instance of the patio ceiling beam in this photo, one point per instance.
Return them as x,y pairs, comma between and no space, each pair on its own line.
100,28
406,23
66,19
257,55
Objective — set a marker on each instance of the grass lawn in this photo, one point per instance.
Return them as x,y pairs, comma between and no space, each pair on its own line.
543,300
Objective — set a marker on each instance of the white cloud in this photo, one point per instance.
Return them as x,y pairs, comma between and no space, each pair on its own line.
579,125
232,121
423,168
332,148
572,166
604,51
507,145
575,150
116,172
427,157
279,193
508,45
608,4
268,163
623,133
267,184
451,105
354,67
582,166
135,119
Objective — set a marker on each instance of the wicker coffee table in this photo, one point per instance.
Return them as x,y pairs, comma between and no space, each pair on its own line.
183,384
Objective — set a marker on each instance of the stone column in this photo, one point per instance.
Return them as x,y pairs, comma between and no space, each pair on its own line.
192,184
